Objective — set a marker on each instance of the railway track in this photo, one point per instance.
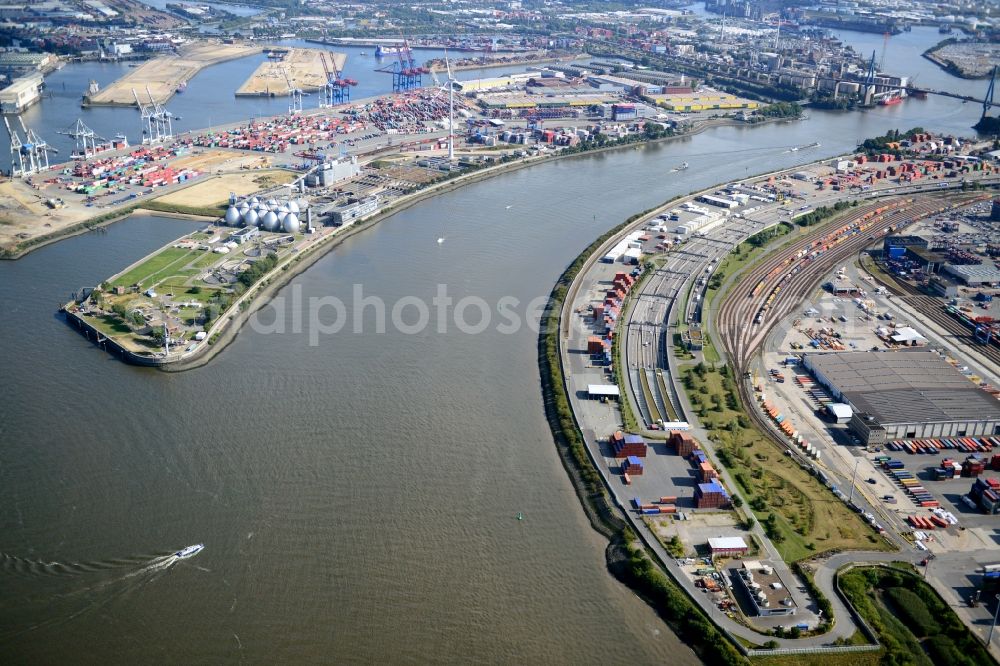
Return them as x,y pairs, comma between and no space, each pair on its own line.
742,333
772,289
930,307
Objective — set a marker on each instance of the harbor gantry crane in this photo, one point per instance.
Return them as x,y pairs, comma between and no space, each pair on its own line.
406,74
337,89
162,118
86,139
147,126
30,155
294,94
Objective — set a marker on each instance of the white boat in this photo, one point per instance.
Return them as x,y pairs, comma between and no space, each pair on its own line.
190,551
683,166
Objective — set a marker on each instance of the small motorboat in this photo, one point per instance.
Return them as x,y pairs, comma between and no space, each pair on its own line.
190,551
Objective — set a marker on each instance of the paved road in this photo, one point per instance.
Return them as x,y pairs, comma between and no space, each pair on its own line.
648,347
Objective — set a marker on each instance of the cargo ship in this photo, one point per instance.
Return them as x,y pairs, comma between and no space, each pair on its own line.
890,101
382,51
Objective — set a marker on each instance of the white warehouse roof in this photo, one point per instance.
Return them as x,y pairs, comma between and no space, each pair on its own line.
726,543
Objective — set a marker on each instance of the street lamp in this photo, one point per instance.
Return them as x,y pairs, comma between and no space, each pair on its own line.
989,639
854,481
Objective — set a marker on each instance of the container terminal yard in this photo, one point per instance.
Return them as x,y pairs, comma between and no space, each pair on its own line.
648,289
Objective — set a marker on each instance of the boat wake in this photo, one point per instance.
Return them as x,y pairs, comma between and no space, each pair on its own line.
58,592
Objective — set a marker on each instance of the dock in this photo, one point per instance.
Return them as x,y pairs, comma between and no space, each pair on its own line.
162,75
289,68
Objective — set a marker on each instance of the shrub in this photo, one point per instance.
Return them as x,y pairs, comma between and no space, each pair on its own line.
913,611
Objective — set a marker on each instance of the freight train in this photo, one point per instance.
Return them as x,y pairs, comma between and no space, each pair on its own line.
817,248
985,328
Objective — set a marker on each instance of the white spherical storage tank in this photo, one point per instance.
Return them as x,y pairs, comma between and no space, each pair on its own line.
232,215
290,224
293,206
270,221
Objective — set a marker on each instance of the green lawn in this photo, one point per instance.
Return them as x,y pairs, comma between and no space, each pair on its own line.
808,518
165,260
207,259
185,292
109,325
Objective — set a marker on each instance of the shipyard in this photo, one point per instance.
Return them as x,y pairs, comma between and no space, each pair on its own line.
767,368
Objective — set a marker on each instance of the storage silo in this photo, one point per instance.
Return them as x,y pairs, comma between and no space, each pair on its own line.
232,216
291,223
293,206
250,218
269,221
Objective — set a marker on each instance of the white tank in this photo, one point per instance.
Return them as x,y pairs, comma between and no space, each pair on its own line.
269,221
290,224
250,218
281,216
293,206
303,204
271,203
232,215
254,200
243,206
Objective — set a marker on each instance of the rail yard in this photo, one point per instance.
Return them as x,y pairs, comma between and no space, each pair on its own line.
660,298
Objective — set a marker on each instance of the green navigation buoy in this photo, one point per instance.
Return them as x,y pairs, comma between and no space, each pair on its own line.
520,516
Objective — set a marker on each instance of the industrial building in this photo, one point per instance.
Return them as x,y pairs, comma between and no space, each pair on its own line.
334,171
767,592
707,101
353,211
974,275
906,394
894,247
21,93
727,546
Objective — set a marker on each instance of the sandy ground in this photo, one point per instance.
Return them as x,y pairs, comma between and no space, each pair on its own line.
302,66
23,213
216,191
221,160
162,75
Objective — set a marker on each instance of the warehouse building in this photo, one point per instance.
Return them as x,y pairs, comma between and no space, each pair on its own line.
974,275
727,546
907,394
21,93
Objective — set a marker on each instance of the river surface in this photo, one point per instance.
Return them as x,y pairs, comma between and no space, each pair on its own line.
356,496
